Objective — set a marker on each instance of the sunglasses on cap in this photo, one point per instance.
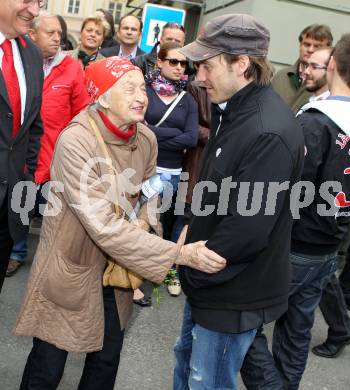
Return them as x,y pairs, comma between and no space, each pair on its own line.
174,25
176,62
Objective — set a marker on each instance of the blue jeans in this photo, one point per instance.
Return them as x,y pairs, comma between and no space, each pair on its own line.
292,332
19,251
208,360
168,219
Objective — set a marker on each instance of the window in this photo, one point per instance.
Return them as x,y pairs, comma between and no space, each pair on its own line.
73,7
116,10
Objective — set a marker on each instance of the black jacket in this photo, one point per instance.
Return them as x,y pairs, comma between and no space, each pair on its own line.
259,140
326,127
147,61
114,51
18,157
109,42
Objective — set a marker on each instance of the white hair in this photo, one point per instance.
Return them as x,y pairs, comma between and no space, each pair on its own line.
42,15
106,97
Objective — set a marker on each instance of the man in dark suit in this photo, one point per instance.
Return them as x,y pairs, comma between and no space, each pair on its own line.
171,32
21,79
129,34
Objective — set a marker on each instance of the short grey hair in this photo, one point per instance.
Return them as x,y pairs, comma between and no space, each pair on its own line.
42,15
106,96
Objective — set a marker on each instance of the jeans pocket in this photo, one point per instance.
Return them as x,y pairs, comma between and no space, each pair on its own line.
301,271
329,270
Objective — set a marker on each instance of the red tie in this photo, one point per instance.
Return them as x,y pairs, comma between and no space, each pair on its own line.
12,85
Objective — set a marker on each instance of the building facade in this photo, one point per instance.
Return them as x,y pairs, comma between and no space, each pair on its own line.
286,19
75,11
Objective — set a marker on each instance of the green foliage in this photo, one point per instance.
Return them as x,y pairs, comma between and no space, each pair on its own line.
171,275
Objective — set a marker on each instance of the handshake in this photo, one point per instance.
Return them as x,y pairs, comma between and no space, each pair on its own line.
198,256
195,255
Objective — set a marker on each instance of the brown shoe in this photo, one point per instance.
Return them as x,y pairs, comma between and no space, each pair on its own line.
13,267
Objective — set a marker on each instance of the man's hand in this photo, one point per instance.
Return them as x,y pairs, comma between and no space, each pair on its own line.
198,256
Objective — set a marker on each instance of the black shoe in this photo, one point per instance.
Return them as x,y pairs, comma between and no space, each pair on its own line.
143,302
329,349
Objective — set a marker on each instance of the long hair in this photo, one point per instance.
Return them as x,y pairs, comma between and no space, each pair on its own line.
110,20
260,68
164,50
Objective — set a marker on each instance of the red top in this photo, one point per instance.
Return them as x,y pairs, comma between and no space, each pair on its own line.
64,96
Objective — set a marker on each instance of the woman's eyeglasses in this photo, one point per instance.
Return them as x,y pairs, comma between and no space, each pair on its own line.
176,62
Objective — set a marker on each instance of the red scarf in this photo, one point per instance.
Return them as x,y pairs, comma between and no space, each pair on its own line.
126,135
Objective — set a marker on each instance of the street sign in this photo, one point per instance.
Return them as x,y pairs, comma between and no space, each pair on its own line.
154,17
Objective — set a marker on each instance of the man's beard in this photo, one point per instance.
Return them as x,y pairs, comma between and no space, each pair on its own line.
318,84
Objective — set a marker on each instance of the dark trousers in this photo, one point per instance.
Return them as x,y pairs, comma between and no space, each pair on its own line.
333,307
292,332
45,364
6,242
344,279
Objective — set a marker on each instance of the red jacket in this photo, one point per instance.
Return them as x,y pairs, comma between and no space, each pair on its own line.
64,96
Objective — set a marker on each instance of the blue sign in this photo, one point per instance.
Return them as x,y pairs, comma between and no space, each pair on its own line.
154,17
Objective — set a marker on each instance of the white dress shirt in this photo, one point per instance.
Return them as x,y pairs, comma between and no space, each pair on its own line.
130,56
322,96
19,70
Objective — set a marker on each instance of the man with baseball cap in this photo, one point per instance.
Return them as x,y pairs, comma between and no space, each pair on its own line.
99,164
241,207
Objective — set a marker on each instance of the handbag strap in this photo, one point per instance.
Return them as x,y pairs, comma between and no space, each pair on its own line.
108,159
171,108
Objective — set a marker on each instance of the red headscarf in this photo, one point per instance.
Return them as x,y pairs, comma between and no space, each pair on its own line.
101,75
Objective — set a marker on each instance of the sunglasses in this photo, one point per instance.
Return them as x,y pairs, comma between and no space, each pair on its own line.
174,25
176,62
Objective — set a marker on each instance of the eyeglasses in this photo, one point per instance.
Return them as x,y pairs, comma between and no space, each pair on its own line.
41,3
314,66
176,62
174,25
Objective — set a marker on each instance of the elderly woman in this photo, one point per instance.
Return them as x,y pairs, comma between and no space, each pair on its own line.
66,308
92,34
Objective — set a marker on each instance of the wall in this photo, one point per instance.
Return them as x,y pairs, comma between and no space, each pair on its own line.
286,18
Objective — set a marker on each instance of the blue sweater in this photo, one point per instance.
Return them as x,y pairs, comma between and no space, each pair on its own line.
177,133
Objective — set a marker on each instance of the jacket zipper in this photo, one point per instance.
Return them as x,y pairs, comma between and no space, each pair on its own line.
217,130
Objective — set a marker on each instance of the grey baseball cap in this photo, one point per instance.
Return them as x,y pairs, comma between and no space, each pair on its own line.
232,34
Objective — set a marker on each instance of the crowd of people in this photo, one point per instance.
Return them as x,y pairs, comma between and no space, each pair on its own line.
192,163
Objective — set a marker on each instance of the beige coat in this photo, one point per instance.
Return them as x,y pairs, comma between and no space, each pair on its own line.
63,303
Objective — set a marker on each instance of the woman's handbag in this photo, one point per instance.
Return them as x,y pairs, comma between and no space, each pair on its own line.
115,275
